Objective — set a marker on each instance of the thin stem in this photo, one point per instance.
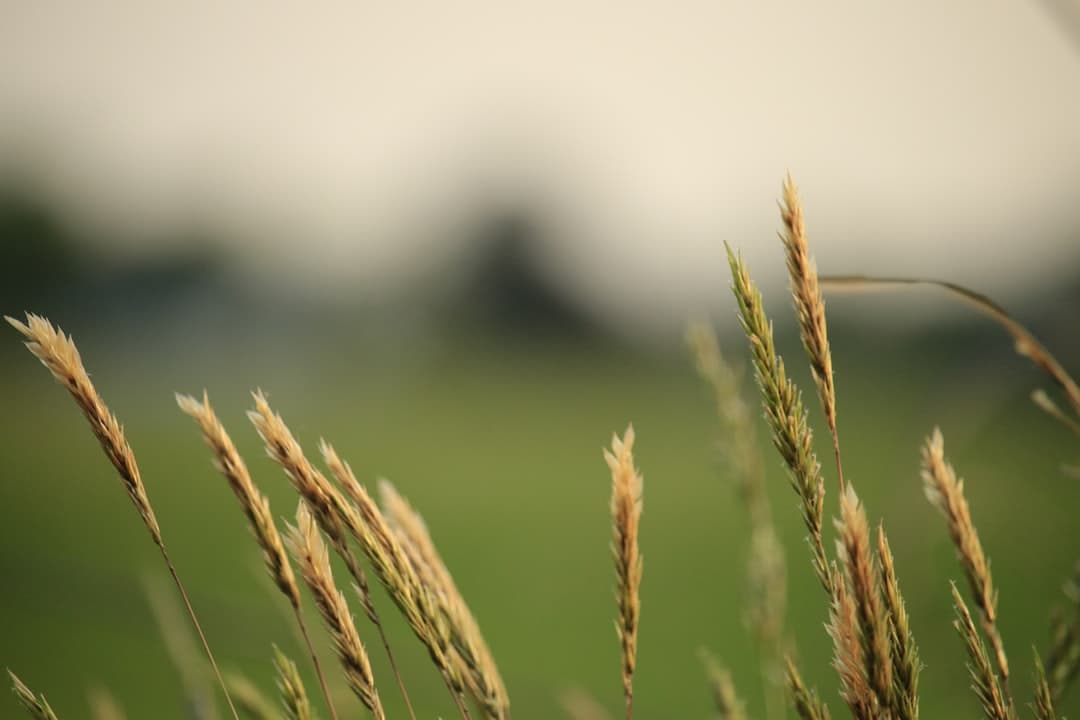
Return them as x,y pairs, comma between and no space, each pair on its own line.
836,452
365,595
198,628
315,660
630,707
458,700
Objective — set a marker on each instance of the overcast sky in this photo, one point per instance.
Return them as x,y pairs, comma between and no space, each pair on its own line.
341,143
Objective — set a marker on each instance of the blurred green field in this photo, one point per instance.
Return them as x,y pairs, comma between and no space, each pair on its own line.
500,449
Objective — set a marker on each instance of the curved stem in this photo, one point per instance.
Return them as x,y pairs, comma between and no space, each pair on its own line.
315,661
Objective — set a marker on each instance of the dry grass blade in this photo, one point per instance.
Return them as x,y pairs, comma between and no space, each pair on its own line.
861,575
580,705
807,704
477,663
325,502
256,507
251,701
984,680
946,492
36,705
103,706
1026,344
905,655
1044,703
291,688
416,600
725,698
58,353
314,562
810,307
785,413
626,502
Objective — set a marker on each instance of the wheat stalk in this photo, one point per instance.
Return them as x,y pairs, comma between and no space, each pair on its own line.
476,662
861,576
905,655
324,501
626,501
314,562
256,507
785,413
810,308
946,492
985,681
416,600
58,353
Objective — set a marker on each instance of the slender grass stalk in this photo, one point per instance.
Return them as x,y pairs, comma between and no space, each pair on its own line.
946,492
415,599
325,502
626,502
985,681
810,308
476,661
256,507
785,413
58,353
314,561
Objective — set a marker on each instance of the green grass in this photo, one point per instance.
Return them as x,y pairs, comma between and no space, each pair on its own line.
500,450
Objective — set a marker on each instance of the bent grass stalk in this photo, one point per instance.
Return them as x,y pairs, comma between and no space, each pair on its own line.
58,353
256,508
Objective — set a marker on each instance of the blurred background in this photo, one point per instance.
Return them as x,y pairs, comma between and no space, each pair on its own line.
462,242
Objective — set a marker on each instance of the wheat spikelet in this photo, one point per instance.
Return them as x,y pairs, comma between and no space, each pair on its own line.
103,706
36,705
946,492
58,353
251,701
291,688
861,575
327,505
1044,702
626,500
807,704
905,655
477,664
314,562
810,307
785,413
725,699
417,602
985,681
848,654
256,508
